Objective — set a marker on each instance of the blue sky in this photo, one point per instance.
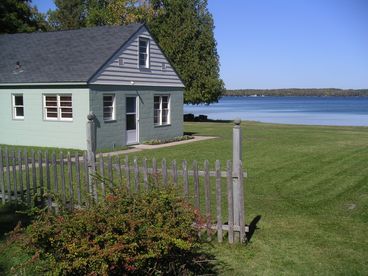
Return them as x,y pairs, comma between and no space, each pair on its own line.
289,43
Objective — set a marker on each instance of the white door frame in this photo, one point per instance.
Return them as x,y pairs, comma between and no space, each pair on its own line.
136,120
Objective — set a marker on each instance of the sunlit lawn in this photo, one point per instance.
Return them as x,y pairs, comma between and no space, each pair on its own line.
309,184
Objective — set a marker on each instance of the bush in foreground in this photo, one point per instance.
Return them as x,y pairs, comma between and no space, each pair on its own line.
149,233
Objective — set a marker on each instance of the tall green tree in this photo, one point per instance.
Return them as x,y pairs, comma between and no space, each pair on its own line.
184,30
69,14
20,16
118,12
97,13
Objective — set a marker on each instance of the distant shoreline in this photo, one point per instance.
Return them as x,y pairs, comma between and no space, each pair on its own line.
319,92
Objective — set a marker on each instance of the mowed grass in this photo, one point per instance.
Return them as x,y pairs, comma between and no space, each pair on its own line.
309,184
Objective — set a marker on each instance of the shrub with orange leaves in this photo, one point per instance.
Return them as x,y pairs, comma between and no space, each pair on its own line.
143,233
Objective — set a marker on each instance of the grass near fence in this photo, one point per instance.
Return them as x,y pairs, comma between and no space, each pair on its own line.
49,150
307,186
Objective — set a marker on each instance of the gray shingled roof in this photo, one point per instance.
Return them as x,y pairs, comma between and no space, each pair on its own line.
62,56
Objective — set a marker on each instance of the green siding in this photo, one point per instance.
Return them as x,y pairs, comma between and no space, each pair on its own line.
34,130
110,134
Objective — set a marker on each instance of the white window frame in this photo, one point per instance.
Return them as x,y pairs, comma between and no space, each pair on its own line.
113,116
14,107
147,65
160,110
58,107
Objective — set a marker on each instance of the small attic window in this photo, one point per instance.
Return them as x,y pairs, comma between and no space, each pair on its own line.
163,66
143,52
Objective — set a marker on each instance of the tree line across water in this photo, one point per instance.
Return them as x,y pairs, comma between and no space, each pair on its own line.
297,92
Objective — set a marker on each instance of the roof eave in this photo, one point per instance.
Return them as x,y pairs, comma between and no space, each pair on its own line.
44,84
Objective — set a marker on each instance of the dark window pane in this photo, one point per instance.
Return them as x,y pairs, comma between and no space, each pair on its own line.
51,98
65,103
66,115
107,116
66,98
143,52
18,100
108,112
19,111
142,44
156,116
130,122
51,115
50,103
142,60
164,116
130,105
108,100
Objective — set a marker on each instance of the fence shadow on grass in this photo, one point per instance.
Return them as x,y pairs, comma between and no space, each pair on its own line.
253,227
199,263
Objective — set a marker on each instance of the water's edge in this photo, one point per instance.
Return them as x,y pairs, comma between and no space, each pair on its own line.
335,111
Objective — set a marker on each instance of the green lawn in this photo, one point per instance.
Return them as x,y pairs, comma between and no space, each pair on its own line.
309,184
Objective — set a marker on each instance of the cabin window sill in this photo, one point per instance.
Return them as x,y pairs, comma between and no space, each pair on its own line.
166,125
109,121
58,121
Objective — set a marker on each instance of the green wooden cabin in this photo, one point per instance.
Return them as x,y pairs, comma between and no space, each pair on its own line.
51,81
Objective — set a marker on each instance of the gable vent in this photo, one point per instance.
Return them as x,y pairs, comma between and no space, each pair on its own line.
18,68
121,62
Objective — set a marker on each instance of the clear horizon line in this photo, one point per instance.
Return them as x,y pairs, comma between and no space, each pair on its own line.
296,88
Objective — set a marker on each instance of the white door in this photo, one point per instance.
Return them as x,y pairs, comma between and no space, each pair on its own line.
131,120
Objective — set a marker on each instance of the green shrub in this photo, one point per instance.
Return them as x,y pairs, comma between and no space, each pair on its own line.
165,141
149,233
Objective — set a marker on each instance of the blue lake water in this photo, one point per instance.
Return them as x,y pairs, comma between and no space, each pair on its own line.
338,111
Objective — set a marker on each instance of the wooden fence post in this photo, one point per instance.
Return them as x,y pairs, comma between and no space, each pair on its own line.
91,151
237,158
